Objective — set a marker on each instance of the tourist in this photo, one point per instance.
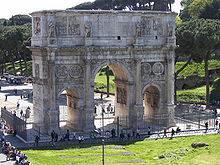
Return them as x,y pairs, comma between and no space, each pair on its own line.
122,134
80,138
164,132
128,135
178,129
108,108
172,133
113,133
14,113
148,132
67,136
216,125
52,134
56,137
158,135
6,97
206,127
37,138
21,113
101,96
18,104
138,133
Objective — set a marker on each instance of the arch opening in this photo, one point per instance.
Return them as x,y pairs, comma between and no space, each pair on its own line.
111,97
151,102
69,116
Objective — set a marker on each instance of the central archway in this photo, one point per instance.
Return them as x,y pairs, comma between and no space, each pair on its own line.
119,101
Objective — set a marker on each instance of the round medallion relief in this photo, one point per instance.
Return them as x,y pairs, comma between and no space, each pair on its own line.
145,69
61,71
158,68
75,70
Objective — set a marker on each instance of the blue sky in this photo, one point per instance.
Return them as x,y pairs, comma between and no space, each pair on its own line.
13,7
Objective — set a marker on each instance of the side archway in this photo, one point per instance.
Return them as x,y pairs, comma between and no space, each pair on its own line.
69,113
151,101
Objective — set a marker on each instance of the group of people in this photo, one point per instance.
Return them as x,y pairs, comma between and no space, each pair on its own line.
23,115
11,152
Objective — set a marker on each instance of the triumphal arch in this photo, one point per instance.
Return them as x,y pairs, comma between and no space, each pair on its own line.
70,47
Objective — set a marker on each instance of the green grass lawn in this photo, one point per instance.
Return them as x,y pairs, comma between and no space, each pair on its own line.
192,95
177,151
196,68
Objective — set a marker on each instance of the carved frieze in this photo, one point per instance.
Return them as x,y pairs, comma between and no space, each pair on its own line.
73,26
61,29
74,29
158,26
67,72
37,25
146,25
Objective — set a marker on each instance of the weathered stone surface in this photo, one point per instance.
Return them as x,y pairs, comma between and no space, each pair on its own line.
70,47
196,145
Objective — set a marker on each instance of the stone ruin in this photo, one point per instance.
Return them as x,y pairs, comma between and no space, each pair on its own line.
69,47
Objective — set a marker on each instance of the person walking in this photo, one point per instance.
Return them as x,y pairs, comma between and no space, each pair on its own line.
158,135
172,133
52,134
148,130
21,113
18,104
37,138
164,132
216,124
206,127
138,134
6,97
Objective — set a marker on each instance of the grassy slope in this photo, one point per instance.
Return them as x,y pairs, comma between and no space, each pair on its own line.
9,67
196,68
145,150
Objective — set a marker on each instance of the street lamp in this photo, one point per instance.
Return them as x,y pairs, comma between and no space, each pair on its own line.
103,140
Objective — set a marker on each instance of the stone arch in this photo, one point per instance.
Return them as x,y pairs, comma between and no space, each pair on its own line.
112,65
70,112
122,77
152,99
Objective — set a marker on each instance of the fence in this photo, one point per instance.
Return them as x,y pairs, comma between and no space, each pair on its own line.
188,118
15,122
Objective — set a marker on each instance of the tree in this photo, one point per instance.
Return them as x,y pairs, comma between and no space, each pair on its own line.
13,42
19,20
184,13
210,10
108,72
197,40
163,5
196,6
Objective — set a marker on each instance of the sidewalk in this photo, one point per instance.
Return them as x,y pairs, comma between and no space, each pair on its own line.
3,160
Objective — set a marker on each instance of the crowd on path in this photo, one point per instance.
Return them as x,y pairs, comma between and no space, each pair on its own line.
11,152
